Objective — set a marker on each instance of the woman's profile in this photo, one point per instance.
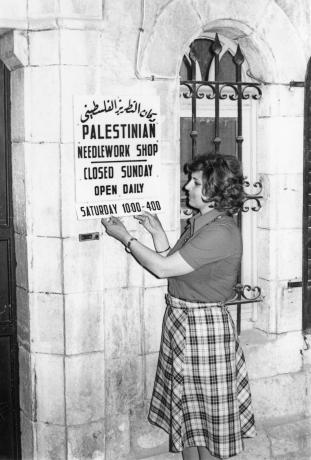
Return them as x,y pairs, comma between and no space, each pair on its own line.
201,394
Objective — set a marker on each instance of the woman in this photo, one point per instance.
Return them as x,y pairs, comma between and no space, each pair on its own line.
201,394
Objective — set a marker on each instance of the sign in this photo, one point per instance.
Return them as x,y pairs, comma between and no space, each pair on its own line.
117,154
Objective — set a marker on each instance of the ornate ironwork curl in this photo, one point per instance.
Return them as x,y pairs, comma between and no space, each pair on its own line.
245,293
246,95
208,95
187,95
253,196
232,97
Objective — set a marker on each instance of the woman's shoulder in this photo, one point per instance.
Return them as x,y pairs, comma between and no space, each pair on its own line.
222,231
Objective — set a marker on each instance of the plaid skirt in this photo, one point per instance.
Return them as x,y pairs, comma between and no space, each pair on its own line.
201,394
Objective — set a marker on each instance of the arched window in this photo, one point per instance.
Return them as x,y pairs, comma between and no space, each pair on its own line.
218,113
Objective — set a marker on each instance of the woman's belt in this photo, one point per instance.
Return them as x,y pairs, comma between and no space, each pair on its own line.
174,302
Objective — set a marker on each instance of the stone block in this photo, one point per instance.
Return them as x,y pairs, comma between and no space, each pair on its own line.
14,9
153,310
289,438
50,442
289,246
127,15
27,437
124,384
23,317
21,256
43,99
151,367
42,189
39,43
150,280
49,388
279,396
266,310
301,455
75,80
279,101
146,439
18,186
71,226
115,264
166,456
168,92
42,8
86,441
275,153
170,148
245,12
80,47
26,384
45,272
284,40
85,388
122,322
135,273
84,322
85,9
283,351
46,323
289,313
118,438
83,266
162,54
280,311
256,448
282,206
170,187
280,253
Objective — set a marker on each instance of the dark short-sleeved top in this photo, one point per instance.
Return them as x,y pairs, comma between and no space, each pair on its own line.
212,245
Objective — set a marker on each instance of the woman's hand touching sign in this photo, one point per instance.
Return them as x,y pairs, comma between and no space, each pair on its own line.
115,228
150,222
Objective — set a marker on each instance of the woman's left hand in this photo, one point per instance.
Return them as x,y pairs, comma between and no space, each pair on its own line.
115,228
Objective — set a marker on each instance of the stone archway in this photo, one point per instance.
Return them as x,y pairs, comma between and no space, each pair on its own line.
263,30
275,54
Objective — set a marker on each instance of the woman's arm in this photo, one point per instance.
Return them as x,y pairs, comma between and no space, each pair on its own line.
153,225
159,265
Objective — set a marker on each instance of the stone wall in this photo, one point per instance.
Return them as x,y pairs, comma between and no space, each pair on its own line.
89,317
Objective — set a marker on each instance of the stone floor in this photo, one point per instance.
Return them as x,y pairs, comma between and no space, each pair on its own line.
285,439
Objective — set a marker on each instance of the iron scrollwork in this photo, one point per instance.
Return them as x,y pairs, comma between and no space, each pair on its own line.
233,96
245,293
233,90
257,196
254,95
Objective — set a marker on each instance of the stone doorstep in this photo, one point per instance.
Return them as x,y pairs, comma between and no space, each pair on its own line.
290,438
283,439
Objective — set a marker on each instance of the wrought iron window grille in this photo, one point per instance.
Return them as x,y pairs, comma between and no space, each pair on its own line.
216,91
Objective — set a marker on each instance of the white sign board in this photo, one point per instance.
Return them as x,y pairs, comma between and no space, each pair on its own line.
117,154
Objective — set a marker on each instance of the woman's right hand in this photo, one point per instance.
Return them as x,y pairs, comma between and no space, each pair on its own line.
150,222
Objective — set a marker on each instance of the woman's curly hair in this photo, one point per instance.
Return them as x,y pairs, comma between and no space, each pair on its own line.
222,180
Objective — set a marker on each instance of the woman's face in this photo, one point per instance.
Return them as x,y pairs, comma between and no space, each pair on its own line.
194,189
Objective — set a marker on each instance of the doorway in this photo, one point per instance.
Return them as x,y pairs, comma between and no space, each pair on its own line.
9,392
